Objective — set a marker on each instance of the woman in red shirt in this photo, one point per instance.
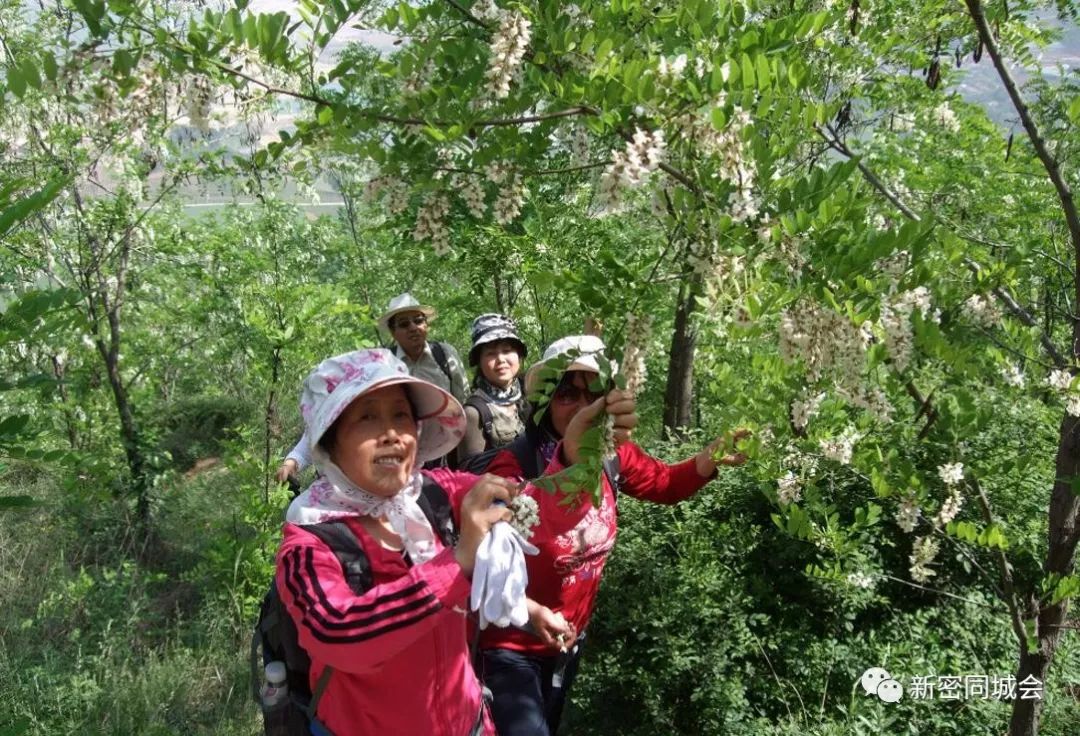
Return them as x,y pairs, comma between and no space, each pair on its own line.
530,672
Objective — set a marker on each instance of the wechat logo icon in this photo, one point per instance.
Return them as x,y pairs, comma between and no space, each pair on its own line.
877,681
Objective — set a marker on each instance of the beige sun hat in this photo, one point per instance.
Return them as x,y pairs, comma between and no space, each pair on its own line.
587,345
404,302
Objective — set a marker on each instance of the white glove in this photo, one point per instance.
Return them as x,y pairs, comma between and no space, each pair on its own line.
500,578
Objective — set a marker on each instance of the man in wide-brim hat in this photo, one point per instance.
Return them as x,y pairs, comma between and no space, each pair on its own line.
407,320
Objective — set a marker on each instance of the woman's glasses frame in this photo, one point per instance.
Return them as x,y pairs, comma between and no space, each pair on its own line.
568,393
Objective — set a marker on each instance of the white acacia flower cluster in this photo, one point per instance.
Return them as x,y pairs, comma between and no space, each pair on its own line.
840,448
485,10
870,398
526,514
199,101
1013,376
418,80
861,580
788,488
471,191
923,552
431,222
907,516
674,68
706,261
579,146
511,197
894,267
638,330
736,165
391,188
497,171
790,254
951,507
511,191
951,473
828,343
765,228
507,50
944,116
982,311
803,410
607,451
1061,381
895,322
805,465
631,166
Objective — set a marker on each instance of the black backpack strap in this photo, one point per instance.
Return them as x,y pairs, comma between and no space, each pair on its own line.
435,504
478,464
487,420
613,471
524,406
347,548
527,455
438,351
357,568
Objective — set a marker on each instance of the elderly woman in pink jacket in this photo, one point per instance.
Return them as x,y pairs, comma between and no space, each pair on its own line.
397,648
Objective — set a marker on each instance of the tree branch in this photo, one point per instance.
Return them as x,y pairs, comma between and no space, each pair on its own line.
1068,205
1023,315
834,142
397,119
1005,569
468,15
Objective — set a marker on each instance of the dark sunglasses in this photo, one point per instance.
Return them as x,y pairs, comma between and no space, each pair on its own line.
405,321
568,393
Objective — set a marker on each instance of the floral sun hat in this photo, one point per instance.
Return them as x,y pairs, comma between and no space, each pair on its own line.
340,380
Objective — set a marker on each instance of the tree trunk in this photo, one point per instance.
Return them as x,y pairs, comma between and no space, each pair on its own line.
271,415
1060,558
60,371
129,437
680,378
350,218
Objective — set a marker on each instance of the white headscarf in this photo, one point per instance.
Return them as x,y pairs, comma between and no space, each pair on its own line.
334,496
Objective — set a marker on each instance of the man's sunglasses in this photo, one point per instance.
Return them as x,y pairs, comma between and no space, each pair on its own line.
404,322
568,393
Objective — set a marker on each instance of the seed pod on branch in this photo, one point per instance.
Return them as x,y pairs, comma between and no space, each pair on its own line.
933,74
